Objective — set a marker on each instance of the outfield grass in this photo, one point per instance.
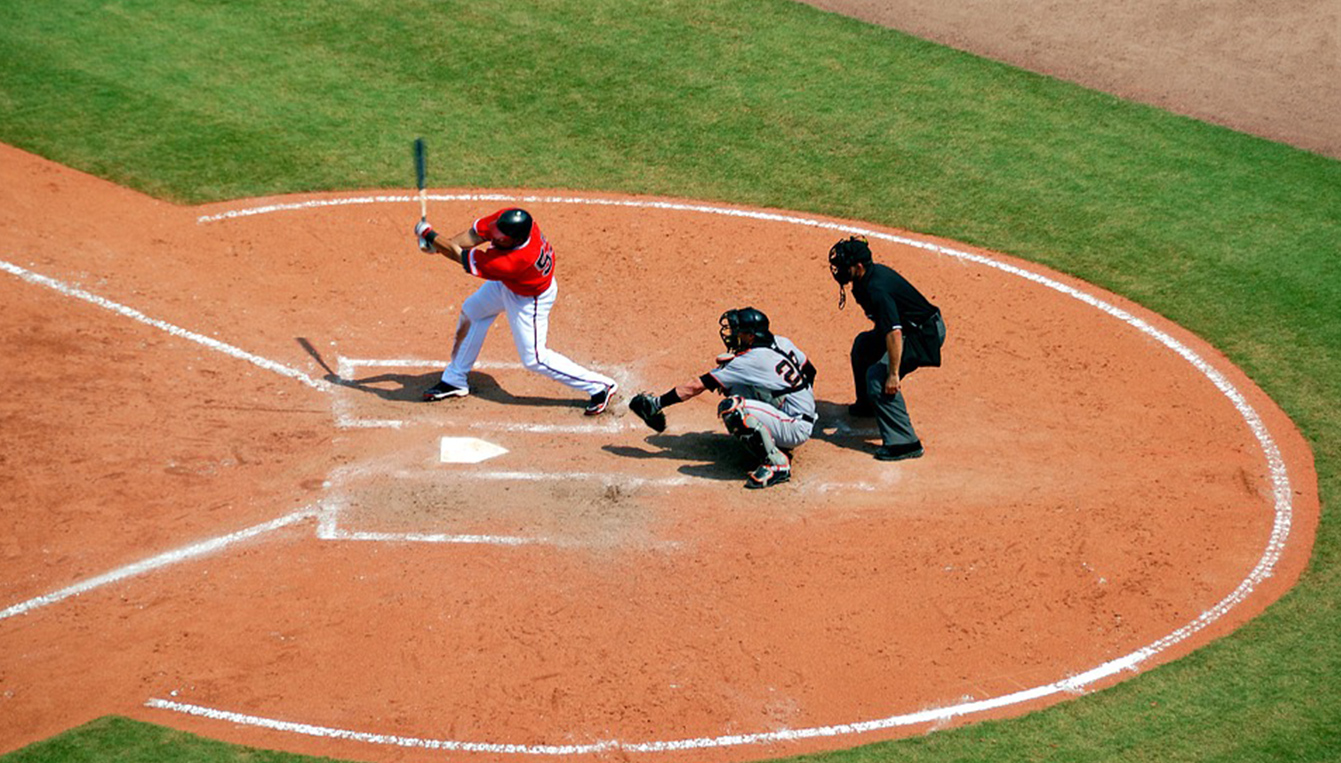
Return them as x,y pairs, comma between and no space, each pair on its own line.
766,103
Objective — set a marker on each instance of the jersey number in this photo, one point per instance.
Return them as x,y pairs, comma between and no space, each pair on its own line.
545,262
789,373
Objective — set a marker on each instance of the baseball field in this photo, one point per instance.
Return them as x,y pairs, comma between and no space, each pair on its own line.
231,532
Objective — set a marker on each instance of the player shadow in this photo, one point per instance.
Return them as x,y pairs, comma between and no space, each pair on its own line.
717,455
401,387
409,387
838,428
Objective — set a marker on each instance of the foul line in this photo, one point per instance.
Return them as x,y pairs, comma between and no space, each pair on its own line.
162,560
177,331
1281,493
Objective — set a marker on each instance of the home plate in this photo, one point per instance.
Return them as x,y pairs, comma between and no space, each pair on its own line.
468,450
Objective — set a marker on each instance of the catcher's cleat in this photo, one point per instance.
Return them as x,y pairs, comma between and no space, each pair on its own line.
899,452
601,400
768,475
442,390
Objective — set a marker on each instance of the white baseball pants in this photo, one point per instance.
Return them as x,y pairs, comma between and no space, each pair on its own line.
528,317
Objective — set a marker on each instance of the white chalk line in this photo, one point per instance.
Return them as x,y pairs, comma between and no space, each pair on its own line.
333,506
177,331
624,479
1282,499
328,528
186,553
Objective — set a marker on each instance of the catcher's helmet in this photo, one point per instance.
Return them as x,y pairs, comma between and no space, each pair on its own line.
846,253
515,224
737,325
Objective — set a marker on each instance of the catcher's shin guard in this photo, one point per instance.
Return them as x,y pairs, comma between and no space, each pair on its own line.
754,436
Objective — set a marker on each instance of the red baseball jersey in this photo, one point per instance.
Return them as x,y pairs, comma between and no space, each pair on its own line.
527,270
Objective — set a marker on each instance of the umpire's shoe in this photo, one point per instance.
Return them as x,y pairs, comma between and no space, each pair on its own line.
601,400
899,452
768,475
442,390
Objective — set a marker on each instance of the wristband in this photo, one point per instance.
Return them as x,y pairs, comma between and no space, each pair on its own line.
431,236
670,398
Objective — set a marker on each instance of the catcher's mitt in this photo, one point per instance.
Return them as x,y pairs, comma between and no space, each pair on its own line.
648,408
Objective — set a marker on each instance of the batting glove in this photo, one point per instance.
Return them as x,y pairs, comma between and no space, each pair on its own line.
426,234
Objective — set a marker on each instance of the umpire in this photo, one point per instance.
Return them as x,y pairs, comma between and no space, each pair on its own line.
907,327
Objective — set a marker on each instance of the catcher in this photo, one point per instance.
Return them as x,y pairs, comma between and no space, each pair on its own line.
769,406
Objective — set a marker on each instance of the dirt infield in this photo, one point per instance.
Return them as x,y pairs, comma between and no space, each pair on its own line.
204,528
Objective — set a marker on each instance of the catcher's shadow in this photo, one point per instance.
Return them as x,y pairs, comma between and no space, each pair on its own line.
718,455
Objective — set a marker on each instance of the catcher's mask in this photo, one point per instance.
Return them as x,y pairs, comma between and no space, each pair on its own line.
513,228
854,250
744,328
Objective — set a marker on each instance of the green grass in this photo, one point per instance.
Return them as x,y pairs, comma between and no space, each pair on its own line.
120,740
767,103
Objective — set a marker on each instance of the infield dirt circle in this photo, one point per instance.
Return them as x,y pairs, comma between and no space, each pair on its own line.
268,555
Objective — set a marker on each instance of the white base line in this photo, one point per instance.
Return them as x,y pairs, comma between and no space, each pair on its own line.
481,540
162,560
1281,493
177,331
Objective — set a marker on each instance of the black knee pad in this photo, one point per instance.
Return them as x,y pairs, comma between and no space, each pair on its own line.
732,413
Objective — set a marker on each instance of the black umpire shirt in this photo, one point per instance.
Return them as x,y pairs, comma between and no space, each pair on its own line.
890,301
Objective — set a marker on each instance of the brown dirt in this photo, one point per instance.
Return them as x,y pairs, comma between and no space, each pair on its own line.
1086,492
1266,68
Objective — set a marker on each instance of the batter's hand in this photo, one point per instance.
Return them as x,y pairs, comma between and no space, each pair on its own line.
425,234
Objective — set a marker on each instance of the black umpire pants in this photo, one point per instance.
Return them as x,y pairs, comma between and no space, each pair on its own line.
870,368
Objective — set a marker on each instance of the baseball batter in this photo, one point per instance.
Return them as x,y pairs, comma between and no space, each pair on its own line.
508,250
768,403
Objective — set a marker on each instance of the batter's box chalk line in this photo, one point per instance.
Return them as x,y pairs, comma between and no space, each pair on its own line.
1282,494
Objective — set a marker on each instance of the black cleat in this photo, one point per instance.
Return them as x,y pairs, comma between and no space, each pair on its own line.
601,400
899,452
442,390
768,475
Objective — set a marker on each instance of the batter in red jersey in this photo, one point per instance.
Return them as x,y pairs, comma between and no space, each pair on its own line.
508,250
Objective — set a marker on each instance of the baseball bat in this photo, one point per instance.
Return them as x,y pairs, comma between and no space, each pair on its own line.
421,175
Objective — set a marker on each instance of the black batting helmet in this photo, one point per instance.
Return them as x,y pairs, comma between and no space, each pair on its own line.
516,225
736,324
850,251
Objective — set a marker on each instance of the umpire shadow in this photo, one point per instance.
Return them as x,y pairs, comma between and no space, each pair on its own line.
720,456
408,387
